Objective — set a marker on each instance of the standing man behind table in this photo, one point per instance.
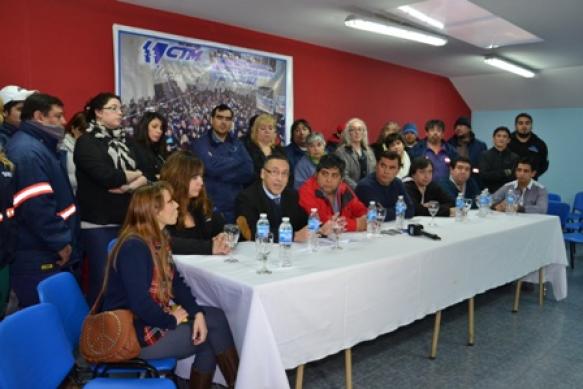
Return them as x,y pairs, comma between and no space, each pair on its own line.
526,143
228,168
44,205
497,164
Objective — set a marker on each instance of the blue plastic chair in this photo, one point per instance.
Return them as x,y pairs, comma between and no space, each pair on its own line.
576,214
36,353
573,238
559,209
62,290
554,197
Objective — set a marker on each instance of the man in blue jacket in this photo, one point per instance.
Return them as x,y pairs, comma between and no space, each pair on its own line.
465,142
44,205
461,181
228,168
383,186
435,149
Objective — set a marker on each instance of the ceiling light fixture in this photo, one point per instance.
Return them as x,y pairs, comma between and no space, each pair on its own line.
509,66
387,28
421,16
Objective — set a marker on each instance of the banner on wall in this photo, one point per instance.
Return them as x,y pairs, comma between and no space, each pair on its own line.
184,78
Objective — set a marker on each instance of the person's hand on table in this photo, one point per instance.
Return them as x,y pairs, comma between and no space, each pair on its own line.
220,244
501,206
302,235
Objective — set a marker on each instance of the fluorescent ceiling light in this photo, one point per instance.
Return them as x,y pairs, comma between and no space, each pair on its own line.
385,28
509,66
421,16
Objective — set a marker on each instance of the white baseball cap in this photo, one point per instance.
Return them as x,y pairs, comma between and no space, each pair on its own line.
14,93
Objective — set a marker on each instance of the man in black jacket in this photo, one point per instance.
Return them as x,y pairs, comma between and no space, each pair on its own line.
497,164
527,144
271,196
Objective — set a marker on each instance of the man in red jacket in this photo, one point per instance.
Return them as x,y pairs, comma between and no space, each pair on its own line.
326,192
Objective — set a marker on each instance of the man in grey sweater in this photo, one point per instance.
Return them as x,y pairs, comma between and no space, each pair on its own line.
532,196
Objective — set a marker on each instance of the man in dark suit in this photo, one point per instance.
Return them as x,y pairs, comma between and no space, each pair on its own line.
270,195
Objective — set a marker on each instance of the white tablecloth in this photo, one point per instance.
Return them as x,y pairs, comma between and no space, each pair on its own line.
332,300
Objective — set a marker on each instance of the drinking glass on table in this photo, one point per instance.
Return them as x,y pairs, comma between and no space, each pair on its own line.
264,245
381,215
338,225
433,208
467,206
232,232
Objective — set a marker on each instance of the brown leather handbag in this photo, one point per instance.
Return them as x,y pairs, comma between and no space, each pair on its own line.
108,336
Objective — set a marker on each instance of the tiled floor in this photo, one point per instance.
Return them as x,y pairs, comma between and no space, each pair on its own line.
534,348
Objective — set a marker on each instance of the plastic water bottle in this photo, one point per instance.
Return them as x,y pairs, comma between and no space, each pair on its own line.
510,202
262,229
488,199
313,227
286,233
371,219
483,203
400,209
459,207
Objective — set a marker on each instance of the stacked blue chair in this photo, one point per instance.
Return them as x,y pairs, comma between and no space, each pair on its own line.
576,214
573,238
63,291
554,197
36,353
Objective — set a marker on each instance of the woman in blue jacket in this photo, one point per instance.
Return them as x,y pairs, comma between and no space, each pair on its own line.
142,277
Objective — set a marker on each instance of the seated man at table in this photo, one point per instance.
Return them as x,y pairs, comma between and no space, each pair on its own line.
422,190
327,192
383,186
532,196
460,180
271,195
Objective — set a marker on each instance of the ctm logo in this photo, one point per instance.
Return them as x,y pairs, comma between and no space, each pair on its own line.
154,51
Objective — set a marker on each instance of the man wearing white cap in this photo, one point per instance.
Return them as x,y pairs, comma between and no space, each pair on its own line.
13,97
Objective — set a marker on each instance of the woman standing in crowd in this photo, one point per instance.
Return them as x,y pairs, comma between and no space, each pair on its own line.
199,229
355,152
149,144
306,167
73,130
106,176
380,145
141,277
396,143
262,141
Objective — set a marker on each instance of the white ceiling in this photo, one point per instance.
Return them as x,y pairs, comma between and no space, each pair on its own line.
557,59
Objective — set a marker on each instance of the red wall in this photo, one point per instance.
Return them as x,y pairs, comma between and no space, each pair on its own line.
65,48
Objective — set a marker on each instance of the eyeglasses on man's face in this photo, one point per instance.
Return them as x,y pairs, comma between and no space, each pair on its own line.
277,173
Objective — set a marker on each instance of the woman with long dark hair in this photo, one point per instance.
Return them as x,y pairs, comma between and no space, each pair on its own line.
198,229
141,277
106,176
149,144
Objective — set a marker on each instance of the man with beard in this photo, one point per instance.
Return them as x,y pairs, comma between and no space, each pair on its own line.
527,144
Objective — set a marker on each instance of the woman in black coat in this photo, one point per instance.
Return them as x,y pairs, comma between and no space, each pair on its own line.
149,144
199,230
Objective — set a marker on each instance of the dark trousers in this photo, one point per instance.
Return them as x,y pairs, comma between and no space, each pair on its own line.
95,241
177,343
24,284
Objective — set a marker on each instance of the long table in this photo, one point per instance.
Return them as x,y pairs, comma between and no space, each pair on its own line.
334,299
